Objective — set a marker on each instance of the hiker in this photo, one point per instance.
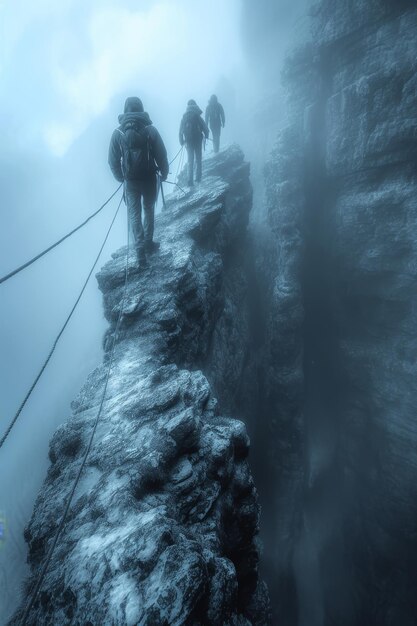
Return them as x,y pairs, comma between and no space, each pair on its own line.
215,119
136,154
192,130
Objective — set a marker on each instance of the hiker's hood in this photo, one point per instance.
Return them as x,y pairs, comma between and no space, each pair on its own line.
213,99
133,105
141,118
194,108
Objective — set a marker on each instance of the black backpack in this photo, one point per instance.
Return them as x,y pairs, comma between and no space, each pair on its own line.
191,128
215,118
136,154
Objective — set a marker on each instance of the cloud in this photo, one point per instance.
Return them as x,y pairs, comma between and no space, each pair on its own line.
168,47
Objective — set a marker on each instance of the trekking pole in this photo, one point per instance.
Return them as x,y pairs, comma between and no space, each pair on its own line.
162,192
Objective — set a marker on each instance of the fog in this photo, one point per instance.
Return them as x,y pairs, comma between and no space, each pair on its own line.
65,71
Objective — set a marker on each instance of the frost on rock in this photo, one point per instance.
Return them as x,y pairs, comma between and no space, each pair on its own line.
163,527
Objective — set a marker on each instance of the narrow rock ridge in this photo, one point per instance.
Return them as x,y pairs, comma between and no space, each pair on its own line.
163,528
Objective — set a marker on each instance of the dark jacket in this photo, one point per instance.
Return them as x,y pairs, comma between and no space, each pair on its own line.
193,115
215,114
156,144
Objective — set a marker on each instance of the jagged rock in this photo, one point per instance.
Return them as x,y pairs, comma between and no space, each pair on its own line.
163,526
341,201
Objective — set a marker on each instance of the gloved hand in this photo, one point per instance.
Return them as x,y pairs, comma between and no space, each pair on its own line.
164,176
182,142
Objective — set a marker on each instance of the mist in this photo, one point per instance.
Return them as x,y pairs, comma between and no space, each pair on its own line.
65,71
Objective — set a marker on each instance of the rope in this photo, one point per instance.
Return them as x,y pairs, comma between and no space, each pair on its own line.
77,479
54,245
54,345
169,182
180,150
180,163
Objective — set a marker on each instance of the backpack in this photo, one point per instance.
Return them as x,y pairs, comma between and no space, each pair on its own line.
136,154
191,128
215,118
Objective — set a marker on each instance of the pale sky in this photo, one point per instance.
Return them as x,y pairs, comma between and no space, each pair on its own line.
66,67
63,61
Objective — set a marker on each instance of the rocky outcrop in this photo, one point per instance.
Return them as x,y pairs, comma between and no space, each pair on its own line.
341,189
164,523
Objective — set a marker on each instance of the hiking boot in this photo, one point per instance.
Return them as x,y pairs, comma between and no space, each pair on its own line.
152,246
142,260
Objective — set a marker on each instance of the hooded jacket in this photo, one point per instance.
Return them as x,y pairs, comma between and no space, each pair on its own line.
215,113
157,147
193,115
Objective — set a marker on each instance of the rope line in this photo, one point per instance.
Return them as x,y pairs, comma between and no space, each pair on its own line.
175,157
74,487
54,245
54,345
169,182
180,164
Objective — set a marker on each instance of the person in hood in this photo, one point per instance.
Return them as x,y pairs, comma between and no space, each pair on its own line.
215,119
192,130
136,155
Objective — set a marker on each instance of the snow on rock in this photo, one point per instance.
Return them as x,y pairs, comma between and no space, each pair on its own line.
163,527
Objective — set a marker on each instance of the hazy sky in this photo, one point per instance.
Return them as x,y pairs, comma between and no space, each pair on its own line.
66,67
63,62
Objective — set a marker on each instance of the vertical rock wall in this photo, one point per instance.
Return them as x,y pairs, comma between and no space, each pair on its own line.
341,196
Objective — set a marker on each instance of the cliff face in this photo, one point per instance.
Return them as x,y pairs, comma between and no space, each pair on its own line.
341,195
314,346
163,527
